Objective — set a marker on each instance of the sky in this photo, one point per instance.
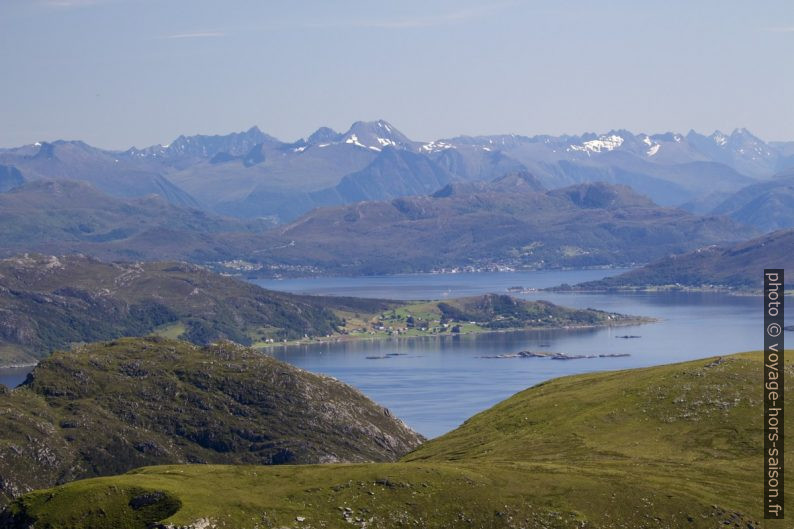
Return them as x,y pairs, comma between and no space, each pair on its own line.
121,73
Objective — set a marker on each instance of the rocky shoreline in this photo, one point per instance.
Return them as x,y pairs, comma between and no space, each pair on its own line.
555,356
629,322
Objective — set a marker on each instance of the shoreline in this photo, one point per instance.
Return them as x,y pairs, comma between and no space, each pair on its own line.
662,288
252,278
347,338
19,366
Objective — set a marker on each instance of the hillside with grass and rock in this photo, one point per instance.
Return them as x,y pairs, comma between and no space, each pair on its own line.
49,303
111,407
673,446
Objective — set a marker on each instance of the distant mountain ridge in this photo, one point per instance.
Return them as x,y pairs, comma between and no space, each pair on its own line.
252,174
512,222
739,266
768,205
186,149
68,216
107,171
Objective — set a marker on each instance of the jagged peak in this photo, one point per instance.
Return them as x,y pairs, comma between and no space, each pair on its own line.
324,135
742,132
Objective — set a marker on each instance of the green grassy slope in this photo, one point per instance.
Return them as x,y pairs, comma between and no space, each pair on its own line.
108,408
663,447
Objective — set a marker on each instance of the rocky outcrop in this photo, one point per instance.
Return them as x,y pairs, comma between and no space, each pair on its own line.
111,407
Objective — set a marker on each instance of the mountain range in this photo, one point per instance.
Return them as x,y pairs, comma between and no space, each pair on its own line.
371,200
252,174
510,222
68,216
767,205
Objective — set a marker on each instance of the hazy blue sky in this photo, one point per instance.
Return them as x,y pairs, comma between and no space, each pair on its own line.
117,73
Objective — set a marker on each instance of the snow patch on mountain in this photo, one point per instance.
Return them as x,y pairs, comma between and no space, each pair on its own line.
719,138
436,146
602,144
653,147
353,140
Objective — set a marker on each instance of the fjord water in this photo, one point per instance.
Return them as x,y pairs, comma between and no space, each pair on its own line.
434,384
14,376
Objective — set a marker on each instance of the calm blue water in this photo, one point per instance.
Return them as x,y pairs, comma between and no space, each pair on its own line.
432,286
14,376
436,383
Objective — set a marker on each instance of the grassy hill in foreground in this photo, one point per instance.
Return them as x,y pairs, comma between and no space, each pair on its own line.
740,266
108,408
664,447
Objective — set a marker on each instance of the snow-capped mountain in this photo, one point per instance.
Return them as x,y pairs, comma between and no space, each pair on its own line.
376,136
252,174
372,135
190,149
601,144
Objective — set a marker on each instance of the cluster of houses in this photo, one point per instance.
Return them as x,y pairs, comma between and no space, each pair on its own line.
411,324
